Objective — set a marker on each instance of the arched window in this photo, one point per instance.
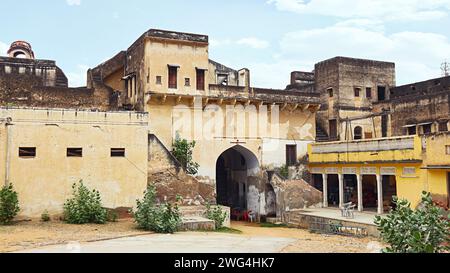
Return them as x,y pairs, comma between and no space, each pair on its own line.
358,133
20,54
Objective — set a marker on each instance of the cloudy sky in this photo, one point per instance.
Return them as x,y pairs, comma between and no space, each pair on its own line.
270,37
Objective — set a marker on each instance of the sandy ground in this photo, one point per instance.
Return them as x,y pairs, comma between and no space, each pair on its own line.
28,235
313,243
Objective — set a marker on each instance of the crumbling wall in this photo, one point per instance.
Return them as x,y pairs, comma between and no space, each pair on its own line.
135,64
293,194
32,85
420,108
170,180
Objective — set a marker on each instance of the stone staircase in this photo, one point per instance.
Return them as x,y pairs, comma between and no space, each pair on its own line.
295,220
321,135
193,218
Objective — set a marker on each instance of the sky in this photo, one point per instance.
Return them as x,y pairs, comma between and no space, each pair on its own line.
270,37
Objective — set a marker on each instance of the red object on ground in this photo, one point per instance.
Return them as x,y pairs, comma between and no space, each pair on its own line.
245,216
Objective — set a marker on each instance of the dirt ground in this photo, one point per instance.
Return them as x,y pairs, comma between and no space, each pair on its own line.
27,235
312,243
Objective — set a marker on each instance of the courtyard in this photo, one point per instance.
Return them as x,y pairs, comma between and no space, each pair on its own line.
57,237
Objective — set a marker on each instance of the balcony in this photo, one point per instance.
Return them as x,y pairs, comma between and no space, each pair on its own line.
395,150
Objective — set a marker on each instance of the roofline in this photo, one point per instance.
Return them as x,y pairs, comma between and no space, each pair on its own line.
414,83
355,59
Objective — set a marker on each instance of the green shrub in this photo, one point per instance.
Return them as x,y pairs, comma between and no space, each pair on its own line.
45,217
164,218
9,204
182,151
84,207
423,230
284,171
217,214
112,216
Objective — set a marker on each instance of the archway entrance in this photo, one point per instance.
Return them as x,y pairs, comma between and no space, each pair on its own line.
233,169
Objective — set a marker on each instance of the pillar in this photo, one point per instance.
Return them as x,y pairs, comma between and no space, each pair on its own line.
360,193
380,194
341,190
325,190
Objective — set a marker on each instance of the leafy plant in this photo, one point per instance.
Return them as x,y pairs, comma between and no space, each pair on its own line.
9,204
45,216
217,214
423,230
284,171
112,216
164,218
182,151
85,206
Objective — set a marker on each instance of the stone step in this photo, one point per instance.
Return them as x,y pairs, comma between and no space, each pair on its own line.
192,211
197,223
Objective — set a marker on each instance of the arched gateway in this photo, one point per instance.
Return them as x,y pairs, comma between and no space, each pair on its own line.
234,167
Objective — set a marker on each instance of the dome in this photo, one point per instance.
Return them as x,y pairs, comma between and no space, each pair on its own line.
21,49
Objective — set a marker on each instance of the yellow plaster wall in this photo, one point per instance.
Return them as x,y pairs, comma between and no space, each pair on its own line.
436,151
44,182
160,53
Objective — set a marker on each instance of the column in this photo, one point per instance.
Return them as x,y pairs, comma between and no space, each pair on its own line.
360,193
341,190
325,190
380,194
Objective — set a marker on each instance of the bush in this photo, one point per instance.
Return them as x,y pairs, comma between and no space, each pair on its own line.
284,171
112,216
423,230
45,217
164,218
216,214
84,207
9,204
182,151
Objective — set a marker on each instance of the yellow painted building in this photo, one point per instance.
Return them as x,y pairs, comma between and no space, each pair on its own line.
239,130
44,152
366,171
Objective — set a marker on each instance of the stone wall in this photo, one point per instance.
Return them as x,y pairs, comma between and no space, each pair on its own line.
342,75
40,83
293,194
166,173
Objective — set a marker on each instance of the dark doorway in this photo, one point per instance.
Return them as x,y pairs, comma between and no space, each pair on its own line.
291,155
333,190
333,129
384,125
350,189
358,133
381,93
317,182
369,187
389,192
233,168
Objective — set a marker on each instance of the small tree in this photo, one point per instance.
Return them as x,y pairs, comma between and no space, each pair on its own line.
423,230
216,214
9,204
164,218
85,206
182,151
